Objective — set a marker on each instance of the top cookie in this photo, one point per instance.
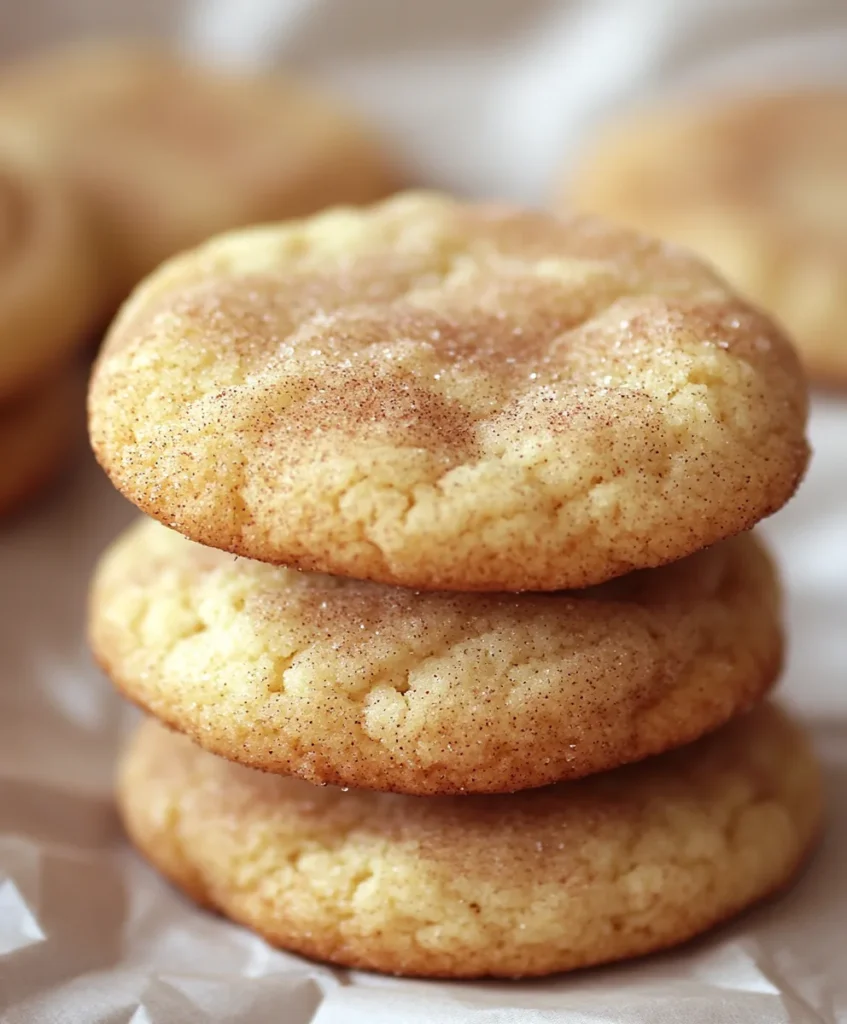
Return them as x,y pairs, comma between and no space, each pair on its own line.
448,396
758,185
164,152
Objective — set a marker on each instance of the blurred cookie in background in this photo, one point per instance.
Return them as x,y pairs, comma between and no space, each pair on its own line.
37,436
163,153
758,185
49,292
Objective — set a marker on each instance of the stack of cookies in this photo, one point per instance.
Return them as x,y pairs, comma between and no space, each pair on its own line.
487,474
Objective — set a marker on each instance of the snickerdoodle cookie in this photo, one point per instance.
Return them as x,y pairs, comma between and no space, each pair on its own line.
49,293
363,684
36,433
757,184
164,152
609,867
448,396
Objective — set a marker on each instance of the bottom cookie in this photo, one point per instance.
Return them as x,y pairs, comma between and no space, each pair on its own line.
36,433
609,867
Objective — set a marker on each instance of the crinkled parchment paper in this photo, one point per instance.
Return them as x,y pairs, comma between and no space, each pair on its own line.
483,96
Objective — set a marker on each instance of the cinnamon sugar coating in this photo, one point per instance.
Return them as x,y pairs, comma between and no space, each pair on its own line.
756,184
367,685
448,396
585,872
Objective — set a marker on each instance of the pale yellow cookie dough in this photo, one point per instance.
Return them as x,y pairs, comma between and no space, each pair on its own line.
36,435
448,396
367,685
164,152
581,873
757,184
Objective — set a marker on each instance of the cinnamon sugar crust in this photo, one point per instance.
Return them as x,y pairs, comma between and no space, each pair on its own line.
362,684
448,396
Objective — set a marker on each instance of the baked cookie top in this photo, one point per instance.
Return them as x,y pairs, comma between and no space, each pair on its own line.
757,184
368,685
165,152
49,293
616,865
448,396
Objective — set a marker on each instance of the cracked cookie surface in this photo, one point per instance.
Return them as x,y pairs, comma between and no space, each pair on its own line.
758,185
614,866
448,396
367,685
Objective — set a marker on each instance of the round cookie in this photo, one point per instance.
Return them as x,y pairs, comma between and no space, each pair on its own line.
49,294
36,434
366,685
756,184
448,396
581,873
165,153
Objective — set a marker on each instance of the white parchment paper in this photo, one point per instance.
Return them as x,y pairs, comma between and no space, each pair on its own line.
484,97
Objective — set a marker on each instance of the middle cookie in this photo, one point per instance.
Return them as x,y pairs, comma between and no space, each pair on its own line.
365,685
